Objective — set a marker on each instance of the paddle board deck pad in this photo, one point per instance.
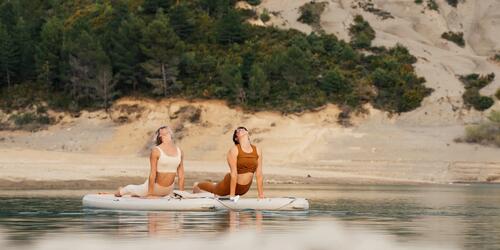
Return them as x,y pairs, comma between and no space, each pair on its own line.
193,202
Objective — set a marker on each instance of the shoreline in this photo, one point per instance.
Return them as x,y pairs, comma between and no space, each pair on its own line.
114,182
111,183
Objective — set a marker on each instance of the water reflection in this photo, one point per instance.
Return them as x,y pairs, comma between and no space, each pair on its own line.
174,224
178,224
465,216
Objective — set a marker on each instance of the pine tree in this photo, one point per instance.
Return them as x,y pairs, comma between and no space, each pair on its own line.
183,21
335,85
8,15
91,73
9,58
25,43
259,86
163,47
295,66
230,28
152,6
126,54
48,52
232,83
104,84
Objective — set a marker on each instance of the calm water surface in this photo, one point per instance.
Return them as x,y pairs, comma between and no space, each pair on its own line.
341,217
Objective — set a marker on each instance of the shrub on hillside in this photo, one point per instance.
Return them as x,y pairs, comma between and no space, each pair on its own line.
453,3
456,37
476,80
361,33
496,57
432,5
254,2
310,13
30,120
486,133
478,102
264,16
370,7
398,90
497,94
473,83
418,1
248,13
22,95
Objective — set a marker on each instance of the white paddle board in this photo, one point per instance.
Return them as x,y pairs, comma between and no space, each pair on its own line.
186,201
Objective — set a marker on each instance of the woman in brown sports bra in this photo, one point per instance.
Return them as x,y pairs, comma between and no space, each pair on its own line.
244,161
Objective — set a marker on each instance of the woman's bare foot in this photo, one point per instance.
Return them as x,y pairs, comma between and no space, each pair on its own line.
196,189
117,193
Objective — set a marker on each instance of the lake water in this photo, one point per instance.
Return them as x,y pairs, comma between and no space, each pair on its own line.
341,217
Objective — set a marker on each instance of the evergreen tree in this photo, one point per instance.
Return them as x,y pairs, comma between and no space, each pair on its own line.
48,53
230,28
163,47
152,6
104,84
82,64
295,66
259,87
25,43
9,57
335,85
183,22
91,74
361,33
8,15
126,54
246,67
231,83
217,8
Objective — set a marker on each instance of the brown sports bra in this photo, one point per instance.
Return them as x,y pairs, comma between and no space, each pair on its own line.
247,162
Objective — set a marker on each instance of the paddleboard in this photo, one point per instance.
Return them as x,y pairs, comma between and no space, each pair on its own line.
181,200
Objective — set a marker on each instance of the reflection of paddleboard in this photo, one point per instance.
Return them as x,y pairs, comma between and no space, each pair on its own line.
186,201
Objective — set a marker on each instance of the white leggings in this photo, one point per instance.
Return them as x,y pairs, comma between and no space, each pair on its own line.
142,189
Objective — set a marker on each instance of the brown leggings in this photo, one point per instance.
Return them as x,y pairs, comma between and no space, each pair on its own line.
223,187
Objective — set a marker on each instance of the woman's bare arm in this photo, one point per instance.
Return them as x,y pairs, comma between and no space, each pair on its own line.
180,173
259,175
232,156
153,161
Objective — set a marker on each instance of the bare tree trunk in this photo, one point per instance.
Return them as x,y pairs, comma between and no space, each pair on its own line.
164,77
8,78
106,96
46,68
242,95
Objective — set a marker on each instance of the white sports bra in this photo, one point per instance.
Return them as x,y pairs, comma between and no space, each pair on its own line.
168,163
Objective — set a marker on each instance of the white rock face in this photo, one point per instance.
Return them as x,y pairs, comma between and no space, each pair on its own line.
419,29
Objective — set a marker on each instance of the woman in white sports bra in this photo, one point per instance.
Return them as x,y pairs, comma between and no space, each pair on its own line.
166,160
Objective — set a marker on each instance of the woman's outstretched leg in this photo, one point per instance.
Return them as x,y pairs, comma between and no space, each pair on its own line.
204,187
221,188
133,190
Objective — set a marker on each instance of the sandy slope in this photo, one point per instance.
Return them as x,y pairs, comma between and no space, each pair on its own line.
377,149
420,29
415,146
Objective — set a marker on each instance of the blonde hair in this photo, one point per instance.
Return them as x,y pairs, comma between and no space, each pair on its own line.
157,137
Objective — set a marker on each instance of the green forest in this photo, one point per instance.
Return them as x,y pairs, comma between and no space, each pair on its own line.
84,54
